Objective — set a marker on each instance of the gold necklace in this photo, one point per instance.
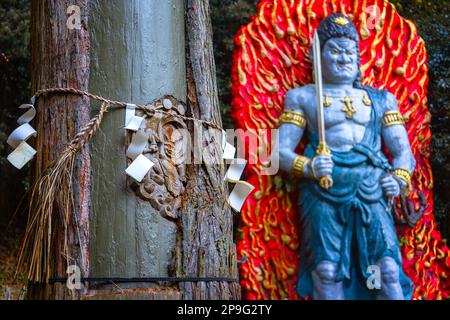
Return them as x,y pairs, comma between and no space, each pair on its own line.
348,108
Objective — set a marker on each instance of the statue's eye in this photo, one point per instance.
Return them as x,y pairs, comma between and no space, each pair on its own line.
334,52
350,53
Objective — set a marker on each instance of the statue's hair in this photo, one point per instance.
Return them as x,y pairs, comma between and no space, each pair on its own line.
328,28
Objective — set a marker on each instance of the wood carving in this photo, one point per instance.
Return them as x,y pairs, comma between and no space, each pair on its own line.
166,148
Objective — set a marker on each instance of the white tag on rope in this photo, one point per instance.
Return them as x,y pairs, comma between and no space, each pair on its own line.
135,123
21,155
235,170
27,116
132,121
237,197
224,140
229,152
23,152
130,111
139,168
137,145
21,133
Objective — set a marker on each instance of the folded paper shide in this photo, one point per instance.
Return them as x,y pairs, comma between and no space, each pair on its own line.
141,165
23,152
242,189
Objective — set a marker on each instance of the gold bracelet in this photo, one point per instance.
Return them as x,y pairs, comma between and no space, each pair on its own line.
299,166
292,117
402,174
391,118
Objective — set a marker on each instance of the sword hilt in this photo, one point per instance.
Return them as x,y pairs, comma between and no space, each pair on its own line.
323,150
326,182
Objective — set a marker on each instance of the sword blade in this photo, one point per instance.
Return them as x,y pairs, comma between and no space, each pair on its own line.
319,88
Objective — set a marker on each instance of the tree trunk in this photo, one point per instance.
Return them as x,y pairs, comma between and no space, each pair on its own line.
207,222
60,58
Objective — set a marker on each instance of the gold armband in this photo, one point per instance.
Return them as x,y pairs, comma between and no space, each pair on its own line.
299,166
391,118
293,117
402,174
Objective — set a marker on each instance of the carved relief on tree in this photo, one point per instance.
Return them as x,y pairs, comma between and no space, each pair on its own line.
167,145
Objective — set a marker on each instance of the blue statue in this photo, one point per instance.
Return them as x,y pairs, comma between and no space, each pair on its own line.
346,186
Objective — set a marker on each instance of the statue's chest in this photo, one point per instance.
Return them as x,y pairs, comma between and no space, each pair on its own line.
346,109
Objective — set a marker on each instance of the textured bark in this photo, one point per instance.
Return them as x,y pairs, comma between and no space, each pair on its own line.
207,223
60,58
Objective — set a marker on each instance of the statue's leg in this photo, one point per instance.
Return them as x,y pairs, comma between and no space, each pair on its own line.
390,280
324,282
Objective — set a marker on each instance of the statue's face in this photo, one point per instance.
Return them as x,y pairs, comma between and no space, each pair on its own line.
339,61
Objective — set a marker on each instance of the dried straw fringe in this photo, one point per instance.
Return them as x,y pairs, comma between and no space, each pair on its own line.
53,191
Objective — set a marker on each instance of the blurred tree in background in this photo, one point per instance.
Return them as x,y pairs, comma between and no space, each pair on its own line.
430,17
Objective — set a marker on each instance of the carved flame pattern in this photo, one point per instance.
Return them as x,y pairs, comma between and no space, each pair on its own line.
271,57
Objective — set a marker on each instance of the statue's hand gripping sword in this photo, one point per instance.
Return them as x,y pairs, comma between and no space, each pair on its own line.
322,149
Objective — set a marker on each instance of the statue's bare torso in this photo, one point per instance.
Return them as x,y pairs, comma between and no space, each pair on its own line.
341,133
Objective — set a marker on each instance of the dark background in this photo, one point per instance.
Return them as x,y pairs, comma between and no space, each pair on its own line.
430,17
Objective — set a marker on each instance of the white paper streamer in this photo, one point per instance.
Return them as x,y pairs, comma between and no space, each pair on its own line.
235,170
135,123
132,121
21,155
139,168
23,152
229,151
130,111
22,133
224,140
27,116
138,143
237,197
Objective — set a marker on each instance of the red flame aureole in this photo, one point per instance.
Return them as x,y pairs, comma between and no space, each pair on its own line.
271,57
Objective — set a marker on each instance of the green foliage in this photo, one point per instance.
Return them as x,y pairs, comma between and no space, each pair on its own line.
15,90
14,55
14,63
227,17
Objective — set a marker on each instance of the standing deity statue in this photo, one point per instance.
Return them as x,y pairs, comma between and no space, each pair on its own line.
347,230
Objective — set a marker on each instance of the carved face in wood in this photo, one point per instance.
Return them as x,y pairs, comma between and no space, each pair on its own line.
166,148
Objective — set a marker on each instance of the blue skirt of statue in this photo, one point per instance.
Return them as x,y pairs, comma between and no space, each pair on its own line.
351,224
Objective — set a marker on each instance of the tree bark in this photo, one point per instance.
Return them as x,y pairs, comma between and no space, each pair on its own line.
60,58
207,222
